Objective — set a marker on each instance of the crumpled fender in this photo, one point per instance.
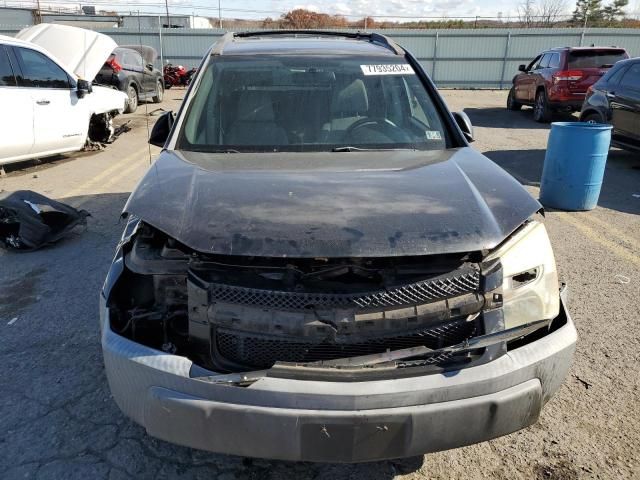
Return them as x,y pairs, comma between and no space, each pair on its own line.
104,99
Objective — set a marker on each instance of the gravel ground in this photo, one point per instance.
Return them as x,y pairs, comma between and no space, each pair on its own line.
57,418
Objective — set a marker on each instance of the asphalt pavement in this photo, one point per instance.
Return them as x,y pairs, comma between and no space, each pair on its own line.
58,420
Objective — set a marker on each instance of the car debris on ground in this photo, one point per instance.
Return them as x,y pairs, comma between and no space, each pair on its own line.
110,135
29,220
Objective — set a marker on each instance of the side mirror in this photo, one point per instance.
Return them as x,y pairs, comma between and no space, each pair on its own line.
150,66
161,129
465,125
522,68
83,88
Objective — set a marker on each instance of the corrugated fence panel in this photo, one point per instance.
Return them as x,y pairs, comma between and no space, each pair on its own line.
525,46
486,58
420,44
467,73
14,16
629,41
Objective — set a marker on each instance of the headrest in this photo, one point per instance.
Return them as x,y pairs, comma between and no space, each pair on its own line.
351,100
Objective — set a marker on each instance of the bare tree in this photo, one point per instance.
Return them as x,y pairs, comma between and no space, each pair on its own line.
527,13
550,11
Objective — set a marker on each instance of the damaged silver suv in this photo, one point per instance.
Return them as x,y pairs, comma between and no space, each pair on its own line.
318,266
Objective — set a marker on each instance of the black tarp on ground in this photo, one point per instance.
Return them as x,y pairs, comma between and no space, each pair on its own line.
29,220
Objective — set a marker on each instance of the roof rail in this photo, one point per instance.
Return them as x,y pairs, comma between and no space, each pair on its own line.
219,45
371,37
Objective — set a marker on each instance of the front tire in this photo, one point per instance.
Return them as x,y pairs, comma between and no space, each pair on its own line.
132,101
542,113
512,104
157,98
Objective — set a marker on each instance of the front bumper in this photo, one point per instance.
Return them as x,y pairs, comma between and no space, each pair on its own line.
335,421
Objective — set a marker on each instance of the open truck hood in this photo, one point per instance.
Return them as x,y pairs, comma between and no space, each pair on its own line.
81,51
357,204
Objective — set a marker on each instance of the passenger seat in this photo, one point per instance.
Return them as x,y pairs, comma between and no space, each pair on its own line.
255,124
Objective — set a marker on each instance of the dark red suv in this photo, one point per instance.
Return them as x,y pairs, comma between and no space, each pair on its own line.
558,79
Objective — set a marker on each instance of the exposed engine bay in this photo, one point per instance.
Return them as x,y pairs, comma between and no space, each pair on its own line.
235,314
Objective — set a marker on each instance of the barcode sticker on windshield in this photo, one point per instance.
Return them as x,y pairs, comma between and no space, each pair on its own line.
433,135
389,69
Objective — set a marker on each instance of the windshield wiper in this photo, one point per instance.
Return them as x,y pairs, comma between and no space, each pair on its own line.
349,148
224,150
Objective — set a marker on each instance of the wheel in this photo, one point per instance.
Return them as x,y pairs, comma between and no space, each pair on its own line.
592,118
132,102
541,111
157,98
511,101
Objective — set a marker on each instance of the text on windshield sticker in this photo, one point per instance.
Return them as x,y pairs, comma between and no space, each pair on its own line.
389,69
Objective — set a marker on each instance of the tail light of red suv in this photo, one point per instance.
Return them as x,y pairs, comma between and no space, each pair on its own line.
567,76
113,63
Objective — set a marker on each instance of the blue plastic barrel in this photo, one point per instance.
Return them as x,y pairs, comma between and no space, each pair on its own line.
574,165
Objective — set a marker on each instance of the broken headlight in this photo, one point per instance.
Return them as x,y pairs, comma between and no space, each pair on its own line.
530,279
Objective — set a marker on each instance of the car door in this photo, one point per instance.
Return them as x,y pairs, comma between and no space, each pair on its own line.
132,63
16,123
524,81
537,75
149,78
624,101
60,118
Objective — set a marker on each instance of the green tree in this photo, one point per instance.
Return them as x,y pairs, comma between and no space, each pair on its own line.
589,10
615,11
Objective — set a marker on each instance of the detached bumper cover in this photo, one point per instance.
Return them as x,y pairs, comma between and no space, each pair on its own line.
335,421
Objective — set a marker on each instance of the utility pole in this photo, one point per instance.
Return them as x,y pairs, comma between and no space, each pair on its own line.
219,16
39,14
166,4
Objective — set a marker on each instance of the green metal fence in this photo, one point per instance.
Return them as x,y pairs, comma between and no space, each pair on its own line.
483,58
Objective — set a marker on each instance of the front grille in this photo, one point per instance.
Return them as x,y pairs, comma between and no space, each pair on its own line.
451,285
262,351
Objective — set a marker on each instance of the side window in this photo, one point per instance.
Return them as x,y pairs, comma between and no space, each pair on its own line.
554,62
132,59
416,109
7,78
631,78
544,62
136,59
533,65
613,76
40,71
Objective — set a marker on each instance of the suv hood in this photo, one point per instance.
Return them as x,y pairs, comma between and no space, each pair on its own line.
356,204
81,51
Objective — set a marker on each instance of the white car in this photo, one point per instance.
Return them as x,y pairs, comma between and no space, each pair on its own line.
48,106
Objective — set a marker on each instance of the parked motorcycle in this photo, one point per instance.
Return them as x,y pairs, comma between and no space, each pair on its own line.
177,75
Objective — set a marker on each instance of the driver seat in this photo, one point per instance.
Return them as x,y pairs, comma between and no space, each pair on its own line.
348,105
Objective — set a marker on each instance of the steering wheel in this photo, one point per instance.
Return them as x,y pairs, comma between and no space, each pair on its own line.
381,125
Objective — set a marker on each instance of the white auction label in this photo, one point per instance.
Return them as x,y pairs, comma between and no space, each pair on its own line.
388,69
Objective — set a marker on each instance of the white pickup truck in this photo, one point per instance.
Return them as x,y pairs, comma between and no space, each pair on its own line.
48,104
